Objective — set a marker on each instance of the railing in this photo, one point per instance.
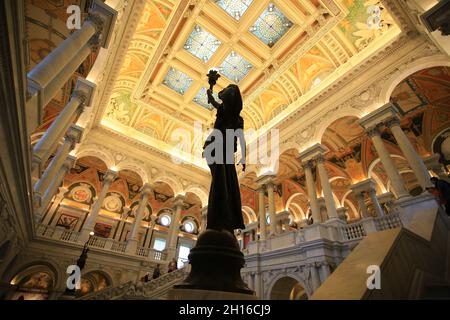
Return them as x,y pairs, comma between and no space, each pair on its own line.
98,242
118,246
57,233
390,221
353,231
151,253
139,290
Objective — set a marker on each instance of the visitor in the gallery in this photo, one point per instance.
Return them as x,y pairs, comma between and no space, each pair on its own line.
172,265
444,189
156,272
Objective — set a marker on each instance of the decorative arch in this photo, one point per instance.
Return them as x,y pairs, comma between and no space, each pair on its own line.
200,193
92,151
250,213
332,117
173,183
411,68
292,275
137,168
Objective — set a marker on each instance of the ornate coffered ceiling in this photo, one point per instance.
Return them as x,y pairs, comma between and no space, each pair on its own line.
277,51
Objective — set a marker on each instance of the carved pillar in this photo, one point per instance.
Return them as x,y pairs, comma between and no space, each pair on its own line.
387,162
262,214
362,205
315,278
326,187
410,153
312,193
92,218
376,204
72,137
174,227
57,68
272,214
121,223
49,141
56,202
132,240
54,185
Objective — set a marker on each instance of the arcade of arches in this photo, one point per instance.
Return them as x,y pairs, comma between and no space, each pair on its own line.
363,116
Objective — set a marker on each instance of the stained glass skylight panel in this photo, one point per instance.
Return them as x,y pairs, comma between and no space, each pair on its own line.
271,25
202,99
201,44
235,8
177,81
235,67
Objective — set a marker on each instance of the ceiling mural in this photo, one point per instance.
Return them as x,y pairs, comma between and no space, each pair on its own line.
162,83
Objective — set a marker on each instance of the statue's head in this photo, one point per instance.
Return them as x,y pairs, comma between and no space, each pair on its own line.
231,95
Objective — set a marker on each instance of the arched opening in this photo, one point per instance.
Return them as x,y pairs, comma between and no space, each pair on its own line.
34,283
288,288
93,281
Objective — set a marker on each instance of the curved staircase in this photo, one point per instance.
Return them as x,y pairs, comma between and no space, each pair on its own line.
156,289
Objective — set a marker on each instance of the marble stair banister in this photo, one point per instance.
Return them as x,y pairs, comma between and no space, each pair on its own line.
418,247
139,290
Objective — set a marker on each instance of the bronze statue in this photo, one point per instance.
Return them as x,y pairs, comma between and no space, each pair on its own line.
224,203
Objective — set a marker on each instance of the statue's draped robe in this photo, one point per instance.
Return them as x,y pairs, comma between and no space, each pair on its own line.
224,203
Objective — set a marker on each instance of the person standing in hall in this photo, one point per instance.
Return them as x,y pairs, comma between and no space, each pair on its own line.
156,272
172,265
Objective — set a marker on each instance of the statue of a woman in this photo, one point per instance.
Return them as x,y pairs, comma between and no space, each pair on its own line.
224,204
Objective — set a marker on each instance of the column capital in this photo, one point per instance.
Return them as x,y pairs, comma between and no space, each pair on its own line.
178,200
69,162
312,152
379,115
393,121
309,164
373,131
146,189
103,17
84,90
319,158
74,134
110,175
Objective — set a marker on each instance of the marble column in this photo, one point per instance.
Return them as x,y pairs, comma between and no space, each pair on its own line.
272,213
49,141
376,204
54,185
95,209
315,278
203,222
411,155
388,163
57,67
133,239
262,214
72,137
258,285
326,187
174,227
324,271
56,202
362,205
151,228
312,193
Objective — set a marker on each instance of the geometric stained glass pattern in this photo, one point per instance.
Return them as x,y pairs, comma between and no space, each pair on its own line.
201,44
202,99
271,25
177,80
234,8
235,67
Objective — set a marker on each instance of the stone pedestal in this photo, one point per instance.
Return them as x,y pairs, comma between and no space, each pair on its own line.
195,294
216,263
